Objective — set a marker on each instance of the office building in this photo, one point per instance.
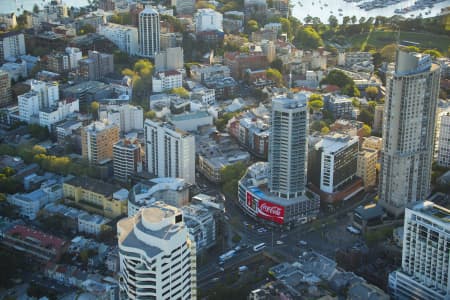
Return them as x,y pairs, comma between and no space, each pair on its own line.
170,152
126,38
149,31
367,167
408,135
170,40
58,62
48,92
96,66
377,125
169,59
275,191
425,254
75,55
5,89
97,141
127,158
29,107
157,256
127,116
208,19
167,80
444,141
12,46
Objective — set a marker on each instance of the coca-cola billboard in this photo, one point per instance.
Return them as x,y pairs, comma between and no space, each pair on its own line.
271,211
249,199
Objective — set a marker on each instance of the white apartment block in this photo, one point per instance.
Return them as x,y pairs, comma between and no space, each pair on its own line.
91,223
157,256
425,255
128,117
170,152
149,32
12,46
201,73
127,159
48,92
204,95
124,37
208,19
165,81
75,55
184,6
443,158
29,106
170,59
54,114
408,131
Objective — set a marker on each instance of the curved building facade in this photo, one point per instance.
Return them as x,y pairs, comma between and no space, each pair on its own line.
149,32
157,257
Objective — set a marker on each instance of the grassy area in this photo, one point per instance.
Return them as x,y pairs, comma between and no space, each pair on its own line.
380,38
373,237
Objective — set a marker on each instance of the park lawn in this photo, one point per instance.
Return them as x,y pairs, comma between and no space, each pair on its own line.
379,39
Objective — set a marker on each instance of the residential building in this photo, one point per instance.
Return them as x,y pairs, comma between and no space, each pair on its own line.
184,7
126,38
58,62
205,96
240,62
208,19
75,55
444,141
372,142
51,115
12,46
65,129
276,191
88,91
5,89
106,5
92,224
95,196
16,71
337,156
29,107
354,58
170,152
127,116
224,88
191,121
127,158
155,244
367,169
40,245
48,92
200,73
170,40
233,21
201,224
377,125
425,254
412,90
8,20
340,106
149,31
96,66
169,59
167,80
97,140
174,191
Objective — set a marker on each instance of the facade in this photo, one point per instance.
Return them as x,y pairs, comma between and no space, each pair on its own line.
240,62
12,46
29,107
276,191
48,92
367,169
58,62
5,89
201,224
425,255
126,38
408,133
97,140
127,116
16,71
200,73
167,80
96,66
157,256
170,152
95,196
169,59
191,121
75,55
170,40
444,141
174,191
149,31
208,20
340,106
377,125
51,115
127,158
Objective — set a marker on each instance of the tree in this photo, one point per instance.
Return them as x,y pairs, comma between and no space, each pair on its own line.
286,26
150,115
94,109
371,92
325,130
365,116
351,90
354,20
316,105
433,52
356,103
333,21
345,20
35,8
388,52
252,26
275,76
362,20
38,132
230,176
366,130
337,77
315,97
181,91
317,126
277,64
308,38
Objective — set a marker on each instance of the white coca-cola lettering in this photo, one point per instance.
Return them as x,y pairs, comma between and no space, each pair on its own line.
272,210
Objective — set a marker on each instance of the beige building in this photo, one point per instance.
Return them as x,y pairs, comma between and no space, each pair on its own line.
97,141
372,142
5,89
367,170
377,125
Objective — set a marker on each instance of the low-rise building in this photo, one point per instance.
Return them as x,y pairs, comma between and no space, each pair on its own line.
340,106
92,224
224,88
200,73
372,142
54,114
191,121
16,71
124,37
201,224
167,80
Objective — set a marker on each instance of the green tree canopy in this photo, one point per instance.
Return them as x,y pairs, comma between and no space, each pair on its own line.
275,75
339,78
308,38
181,91
230,176
433,52
366,130
252,26
315,104
388,52
371,92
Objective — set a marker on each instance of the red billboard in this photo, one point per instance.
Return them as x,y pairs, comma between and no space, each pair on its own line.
271,211
249,199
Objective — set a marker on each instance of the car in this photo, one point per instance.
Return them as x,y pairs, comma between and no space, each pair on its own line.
279,242
246,223
353,230
215,279
222,269
303,243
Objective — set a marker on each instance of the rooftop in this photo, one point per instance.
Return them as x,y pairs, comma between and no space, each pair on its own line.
189,116
45,240
434,210
93,185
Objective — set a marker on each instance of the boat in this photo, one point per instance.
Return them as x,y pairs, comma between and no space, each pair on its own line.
326,4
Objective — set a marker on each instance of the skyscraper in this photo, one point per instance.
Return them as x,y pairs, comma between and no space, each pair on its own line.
157,257
149,30
425,255
288,147
170,152
408,131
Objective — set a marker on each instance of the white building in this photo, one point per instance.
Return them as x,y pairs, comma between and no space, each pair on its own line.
425,255
170,59
124,37
127,159
157,256
128,117
201,224
186,7
167,80
12,46
170,152
149,32
174,191
16,71
75,55
408,131
48,92
91,223
54,114
444,141
29,107
204,95
208,19
202,72
191,121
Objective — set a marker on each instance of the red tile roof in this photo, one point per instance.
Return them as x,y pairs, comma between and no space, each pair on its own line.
44,239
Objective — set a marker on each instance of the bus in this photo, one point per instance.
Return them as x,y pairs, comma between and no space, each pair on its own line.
258,247
224,257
